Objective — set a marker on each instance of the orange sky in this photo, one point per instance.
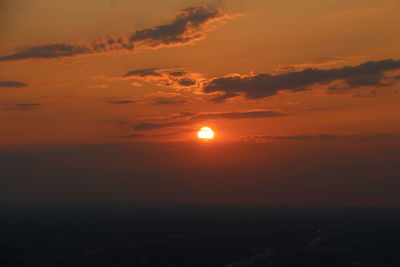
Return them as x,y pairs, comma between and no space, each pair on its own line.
105,94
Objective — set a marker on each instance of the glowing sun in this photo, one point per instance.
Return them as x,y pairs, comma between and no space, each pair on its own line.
205,133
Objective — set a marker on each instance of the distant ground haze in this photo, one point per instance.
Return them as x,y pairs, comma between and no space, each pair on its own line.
284,173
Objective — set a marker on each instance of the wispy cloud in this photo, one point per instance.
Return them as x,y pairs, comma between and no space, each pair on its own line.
188,26
20,107
166,77
47,51
158,98
167,101
325,137
189,118
121,101
14,84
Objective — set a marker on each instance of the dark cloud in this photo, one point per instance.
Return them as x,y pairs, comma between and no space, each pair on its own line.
21,107
187,82
166,77
150,99
167,101
180,73
254,86
69,50
192,118
222,97
188,26
47,51
326,137
12,84
143,73
122,102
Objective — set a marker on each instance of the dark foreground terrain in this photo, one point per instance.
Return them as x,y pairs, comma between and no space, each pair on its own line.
199,236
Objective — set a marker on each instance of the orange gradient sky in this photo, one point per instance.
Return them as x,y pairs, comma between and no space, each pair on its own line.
101,101
102,95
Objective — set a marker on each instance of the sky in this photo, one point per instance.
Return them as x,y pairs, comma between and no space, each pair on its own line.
310,84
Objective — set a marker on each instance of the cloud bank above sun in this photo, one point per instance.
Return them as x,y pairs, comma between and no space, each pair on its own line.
364,76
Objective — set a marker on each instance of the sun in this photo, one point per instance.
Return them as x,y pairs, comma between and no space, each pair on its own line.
205,133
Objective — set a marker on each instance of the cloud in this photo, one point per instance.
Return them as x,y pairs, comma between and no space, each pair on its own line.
166,77
143,73
189,118
20,107
167,101
68,50
47,51
158,101
261,85
158,98
122,102
325,137
12,84
188,26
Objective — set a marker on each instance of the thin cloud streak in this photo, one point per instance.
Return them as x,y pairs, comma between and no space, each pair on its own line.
14,84
394,137
122,102
192,118
159,98
20,107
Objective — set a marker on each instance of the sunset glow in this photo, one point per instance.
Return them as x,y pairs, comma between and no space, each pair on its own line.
205,133
202,102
